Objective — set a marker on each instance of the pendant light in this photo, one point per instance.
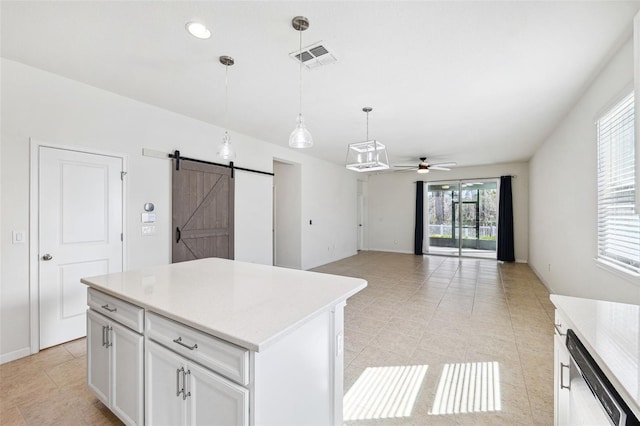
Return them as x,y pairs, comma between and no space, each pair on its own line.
300,137
225,150
367,156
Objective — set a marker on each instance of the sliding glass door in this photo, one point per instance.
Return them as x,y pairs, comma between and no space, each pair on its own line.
462,218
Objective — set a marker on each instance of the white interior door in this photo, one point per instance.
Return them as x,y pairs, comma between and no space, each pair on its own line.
80,226
360,214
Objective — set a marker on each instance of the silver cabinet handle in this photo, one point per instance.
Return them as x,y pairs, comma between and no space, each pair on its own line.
557,327
109,343
184,384
179,341
47,257
179,389
104,338
108,308
562,386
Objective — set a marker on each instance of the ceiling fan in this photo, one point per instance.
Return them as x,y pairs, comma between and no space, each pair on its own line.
424,167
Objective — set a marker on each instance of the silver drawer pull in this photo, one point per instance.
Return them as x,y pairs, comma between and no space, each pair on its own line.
108,308
179,341
557,326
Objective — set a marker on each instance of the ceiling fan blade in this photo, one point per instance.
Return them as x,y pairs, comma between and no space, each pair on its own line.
450,164
413,169
446,169
404,167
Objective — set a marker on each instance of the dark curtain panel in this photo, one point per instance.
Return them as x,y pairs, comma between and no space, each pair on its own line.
419,231
505,221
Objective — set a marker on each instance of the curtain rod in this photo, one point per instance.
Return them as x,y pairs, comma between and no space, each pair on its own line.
176,155
466,179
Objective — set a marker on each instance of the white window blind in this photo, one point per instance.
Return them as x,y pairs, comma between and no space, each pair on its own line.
618,223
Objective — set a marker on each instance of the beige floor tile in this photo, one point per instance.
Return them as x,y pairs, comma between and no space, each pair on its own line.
11,417
77,348
15,391
69,373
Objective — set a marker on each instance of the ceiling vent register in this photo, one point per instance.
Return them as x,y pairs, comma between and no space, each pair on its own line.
314,56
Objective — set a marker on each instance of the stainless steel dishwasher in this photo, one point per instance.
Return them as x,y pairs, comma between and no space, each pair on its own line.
592,399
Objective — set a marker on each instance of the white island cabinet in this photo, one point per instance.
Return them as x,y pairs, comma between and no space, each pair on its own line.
115,355
225,343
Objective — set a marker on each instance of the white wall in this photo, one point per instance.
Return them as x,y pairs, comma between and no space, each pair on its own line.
329,200
288,221
49,108
392,201
563,195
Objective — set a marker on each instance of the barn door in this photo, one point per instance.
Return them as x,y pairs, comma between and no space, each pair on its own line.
203,199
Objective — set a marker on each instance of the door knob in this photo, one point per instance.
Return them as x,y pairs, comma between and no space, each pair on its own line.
47,257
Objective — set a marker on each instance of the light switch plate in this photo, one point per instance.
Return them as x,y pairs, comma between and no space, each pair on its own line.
18,237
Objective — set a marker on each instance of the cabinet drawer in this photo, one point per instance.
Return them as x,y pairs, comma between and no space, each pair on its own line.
561,325
222,357
125,313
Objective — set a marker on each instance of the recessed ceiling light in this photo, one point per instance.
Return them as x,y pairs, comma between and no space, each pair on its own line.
198,30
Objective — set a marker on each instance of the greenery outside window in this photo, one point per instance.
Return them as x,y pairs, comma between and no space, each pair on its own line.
618,222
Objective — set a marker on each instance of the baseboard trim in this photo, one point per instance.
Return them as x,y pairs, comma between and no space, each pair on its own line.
12,356
542,280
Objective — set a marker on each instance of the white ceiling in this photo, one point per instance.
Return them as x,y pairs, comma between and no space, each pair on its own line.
471,82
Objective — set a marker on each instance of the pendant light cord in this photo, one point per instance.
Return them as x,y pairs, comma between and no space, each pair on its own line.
367,125
300,59
226,98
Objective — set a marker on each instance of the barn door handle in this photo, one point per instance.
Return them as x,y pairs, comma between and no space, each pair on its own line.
177,234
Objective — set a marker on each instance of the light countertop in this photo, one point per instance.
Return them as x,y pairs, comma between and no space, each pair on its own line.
243,303
611,333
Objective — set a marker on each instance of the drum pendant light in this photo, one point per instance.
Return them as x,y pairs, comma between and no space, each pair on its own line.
300,137
225,150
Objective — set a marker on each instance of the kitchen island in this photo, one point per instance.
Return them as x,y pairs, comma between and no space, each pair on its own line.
216,341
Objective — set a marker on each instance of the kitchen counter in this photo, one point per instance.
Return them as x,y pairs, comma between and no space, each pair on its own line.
611,333
246,304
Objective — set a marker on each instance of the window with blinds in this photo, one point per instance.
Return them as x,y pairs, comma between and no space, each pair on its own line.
618,223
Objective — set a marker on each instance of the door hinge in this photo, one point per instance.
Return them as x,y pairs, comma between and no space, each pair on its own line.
121,237
122,175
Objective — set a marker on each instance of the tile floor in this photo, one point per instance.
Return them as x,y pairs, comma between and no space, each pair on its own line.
482,330
431,340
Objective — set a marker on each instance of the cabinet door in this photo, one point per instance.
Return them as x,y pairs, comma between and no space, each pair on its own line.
98,356
127,352
163,381
215,400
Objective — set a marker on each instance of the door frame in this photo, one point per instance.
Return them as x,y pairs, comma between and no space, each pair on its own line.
34,210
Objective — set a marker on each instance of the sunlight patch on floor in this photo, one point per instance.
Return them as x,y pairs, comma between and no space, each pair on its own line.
468,388
384,392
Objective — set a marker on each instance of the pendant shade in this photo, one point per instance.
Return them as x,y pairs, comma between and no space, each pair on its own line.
225,150
367,156
300,137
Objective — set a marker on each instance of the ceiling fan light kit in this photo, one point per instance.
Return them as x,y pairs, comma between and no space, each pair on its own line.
367,156
423,168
